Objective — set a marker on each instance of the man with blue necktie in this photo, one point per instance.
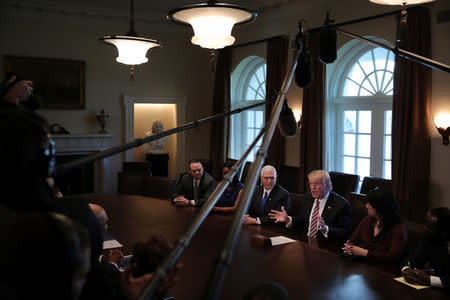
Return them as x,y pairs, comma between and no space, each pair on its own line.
266,197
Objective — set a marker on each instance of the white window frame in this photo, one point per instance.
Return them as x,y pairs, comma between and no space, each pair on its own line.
239,125
349,54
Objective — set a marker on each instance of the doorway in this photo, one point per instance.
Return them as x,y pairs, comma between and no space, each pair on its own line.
141,113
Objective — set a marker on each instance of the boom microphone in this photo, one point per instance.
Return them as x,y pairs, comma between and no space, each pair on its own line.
303,72
287,123
327,42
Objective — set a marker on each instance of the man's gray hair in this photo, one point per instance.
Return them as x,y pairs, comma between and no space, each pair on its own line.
269,168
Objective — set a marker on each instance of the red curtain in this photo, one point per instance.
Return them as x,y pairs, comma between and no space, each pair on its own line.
313,110
277,54
221,103
411,119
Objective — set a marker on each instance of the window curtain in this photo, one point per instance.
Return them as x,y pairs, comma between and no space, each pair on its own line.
313,110
221,103
277,54
411,119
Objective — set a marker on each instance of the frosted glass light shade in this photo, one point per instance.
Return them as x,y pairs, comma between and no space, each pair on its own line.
399,2
212,22
442,120
132,50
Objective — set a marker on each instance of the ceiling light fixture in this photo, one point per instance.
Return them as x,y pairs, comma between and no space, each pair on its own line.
212,22
131,48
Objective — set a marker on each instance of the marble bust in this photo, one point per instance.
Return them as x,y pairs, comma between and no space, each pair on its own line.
157,145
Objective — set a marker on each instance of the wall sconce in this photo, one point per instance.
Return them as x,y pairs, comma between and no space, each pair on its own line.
298,117
442,123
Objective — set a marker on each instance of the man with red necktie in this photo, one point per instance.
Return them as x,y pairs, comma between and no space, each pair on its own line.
323,213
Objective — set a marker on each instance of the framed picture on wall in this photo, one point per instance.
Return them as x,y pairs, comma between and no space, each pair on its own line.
58,82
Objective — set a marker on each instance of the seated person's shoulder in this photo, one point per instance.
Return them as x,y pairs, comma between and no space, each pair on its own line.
341,200
283,190
399,228
208,178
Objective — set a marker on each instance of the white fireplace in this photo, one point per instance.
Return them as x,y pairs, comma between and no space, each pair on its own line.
85,144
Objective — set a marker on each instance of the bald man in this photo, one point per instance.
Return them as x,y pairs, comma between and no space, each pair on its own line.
113,256
101,215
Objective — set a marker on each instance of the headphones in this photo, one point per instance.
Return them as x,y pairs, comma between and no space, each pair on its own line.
47,156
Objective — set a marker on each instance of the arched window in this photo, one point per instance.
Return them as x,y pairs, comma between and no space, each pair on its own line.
359,110
248,86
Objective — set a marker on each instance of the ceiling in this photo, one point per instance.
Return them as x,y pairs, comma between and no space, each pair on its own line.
149,11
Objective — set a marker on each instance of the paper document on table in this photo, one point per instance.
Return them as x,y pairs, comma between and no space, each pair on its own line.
278,240
111,244
416,286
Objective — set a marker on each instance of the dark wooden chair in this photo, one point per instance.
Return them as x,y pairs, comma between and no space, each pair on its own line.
141,168
369,183
245,171
152,186
130,184
158,186
207,165
343,183
288,177
296,204
416,231
359,210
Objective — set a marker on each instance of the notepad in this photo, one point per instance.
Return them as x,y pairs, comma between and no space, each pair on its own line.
416,286
111,244
278,240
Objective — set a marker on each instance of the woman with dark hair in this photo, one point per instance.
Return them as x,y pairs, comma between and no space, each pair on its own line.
381,236
229,200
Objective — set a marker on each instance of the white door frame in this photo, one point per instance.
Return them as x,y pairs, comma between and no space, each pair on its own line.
128,108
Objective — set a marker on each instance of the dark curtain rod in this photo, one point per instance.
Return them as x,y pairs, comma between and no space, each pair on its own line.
392,13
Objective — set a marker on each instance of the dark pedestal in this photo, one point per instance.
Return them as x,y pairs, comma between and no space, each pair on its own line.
159,163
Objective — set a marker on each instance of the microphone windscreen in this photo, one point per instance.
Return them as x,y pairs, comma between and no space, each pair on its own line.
303,72
327,45
287,122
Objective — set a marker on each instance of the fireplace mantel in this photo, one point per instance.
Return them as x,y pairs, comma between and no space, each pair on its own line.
85,144
81,143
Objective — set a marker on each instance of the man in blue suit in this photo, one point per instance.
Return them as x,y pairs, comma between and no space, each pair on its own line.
267,197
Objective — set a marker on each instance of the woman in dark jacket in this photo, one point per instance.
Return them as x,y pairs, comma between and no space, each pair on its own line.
381,236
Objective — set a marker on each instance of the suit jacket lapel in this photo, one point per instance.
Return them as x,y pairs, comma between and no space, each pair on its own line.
328,207
270,200
258,194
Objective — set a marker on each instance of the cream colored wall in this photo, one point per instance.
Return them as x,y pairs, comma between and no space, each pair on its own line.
286,22
144,116
177,69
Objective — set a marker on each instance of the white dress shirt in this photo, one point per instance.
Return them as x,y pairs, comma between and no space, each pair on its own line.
322,203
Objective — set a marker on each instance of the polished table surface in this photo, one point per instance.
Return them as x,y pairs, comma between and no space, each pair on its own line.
306,271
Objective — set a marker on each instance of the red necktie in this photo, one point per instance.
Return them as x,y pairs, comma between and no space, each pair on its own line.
314,220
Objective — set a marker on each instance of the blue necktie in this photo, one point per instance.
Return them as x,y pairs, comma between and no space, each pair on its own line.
263,203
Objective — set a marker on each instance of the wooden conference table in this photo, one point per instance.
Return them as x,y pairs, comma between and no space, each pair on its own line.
306,271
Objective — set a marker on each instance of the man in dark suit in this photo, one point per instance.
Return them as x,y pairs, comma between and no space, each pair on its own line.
195,187
323,214
266,197
430,263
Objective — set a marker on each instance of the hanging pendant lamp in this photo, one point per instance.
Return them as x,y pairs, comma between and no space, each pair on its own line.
212,22
400,2
131,48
